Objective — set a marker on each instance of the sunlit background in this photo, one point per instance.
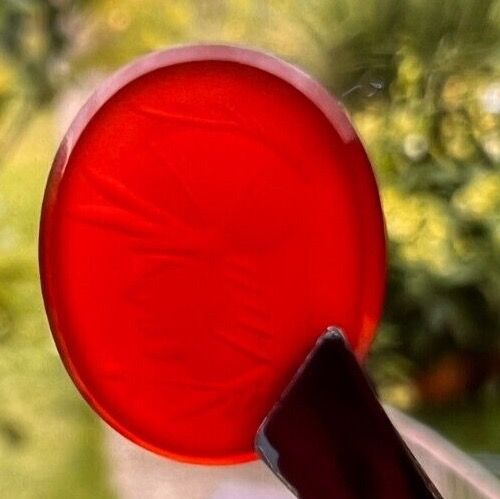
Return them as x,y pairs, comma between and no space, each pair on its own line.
421,81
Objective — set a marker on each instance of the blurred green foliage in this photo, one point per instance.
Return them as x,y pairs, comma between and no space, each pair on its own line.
49,440
432,128
421,81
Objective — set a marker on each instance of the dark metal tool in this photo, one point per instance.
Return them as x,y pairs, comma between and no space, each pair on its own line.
329,438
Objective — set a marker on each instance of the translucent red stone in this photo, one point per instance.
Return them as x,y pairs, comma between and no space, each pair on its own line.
204,221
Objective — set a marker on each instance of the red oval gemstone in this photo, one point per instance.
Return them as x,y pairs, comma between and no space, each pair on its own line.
206,218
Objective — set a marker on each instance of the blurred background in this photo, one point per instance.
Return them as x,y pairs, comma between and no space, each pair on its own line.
421,82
